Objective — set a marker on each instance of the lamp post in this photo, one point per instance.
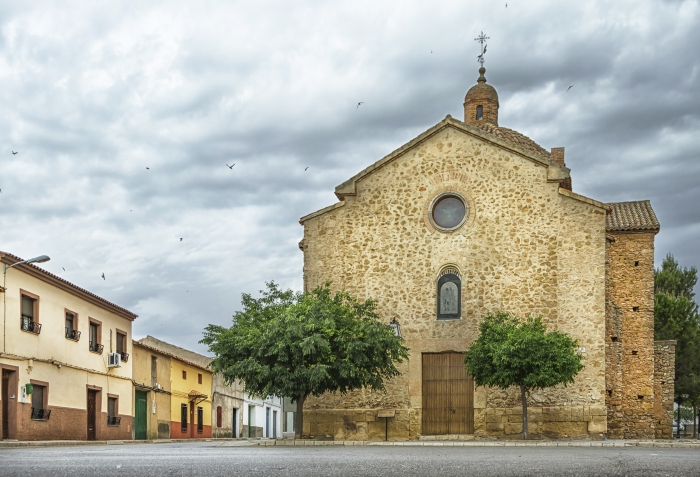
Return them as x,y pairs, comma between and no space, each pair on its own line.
39,259
395,325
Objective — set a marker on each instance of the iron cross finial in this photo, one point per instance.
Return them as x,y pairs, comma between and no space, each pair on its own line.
482,40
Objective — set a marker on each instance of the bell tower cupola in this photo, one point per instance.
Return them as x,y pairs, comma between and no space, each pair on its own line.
481,102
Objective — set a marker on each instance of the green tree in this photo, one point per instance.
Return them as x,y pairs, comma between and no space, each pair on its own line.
514,352
676,318
296,345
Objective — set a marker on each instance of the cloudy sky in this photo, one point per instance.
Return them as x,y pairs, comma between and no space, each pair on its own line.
125,114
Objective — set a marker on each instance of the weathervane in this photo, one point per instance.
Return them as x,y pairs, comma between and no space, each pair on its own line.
482,39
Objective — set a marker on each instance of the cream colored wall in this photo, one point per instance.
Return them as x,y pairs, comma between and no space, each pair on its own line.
68,386
524,249
79,366
181,388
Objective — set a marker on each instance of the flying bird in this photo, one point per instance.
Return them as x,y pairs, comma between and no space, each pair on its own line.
103,277
180,239
569,88
148,168
306,168
13,152
506,4
63,269
230,167
358,104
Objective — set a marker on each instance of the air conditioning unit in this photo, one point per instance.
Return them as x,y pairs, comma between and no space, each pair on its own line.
114,360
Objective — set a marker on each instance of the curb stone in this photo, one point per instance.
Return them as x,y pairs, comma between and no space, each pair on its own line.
663,444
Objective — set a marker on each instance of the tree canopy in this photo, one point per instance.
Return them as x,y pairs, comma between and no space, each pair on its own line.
676,318
300,344
514,352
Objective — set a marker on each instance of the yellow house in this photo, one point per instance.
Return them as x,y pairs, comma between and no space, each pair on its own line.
190,403
152,393
64,357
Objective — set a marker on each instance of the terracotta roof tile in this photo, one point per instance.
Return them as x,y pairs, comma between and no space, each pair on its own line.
514,138
629,216
170,355
75,289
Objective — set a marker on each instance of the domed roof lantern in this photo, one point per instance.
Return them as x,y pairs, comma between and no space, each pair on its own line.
481,102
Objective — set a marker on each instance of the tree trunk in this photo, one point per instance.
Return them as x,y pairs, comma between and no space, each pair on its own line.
299,421
695,421
523,395
678,421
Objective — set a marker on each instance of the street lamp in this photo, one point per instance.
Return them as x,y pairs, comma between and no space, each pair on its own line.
39,259
395,325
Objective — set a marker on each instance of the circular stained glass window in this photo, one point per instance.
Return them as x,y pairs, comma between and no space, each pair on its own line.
449,211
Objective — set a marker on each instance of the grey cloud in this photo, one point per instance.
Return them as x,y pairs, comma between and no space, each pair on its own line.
93,94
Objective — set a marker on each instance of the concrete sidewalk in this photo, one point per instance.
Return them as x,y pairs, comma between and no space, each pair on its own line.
14,444
676,444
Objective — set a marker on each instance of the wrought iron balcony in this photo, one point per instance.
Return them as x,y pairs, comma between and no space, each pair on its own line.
125,356
113,420
30,326
72,334
40,414
96,347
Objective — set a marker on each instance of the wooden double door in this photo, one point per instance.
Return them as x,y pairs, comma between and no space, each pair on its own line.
448,395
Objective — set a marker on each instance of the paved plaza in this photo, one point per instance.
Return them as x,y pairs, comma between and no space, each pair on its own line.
233,458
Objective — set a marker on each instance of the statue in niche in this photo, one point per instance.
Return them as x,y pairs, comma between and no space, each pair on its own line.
448,299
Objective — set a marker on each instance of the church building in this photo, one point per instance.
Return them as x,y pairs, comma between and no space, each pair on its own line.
470,218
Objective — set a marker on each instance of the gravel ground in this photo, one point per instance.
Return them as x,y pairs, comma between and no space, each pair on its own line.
240,458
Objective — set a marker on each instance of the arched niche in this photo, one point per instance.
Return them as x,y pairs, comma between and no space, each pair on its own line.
449,295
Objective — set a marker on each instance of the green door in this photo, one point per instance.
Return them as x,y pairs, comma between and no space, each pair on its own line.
140,416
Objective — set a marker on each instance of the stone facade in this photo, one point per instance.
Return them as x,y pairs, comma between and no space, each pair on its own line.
664,374
528,245
630,335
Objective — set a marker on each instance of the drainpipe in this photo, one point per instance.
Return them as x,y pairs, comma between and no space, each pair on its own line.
4,307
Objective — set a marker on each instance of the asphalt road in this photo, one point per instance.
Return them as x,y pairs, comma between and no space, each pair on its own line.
233,459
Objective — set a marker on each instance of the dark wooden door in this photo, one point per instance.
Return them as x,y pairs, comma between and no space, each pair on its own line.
140,416
91,414
5,404
448,395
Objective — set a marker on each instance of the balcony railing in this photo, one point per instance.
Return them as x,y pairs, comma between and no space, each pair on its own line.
125,356
72,334
113,420
40,414
30,326
96,347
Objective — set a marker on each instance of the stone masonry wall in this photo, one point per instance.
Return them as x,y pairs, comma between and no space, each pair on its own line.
630,335
664,375
526,248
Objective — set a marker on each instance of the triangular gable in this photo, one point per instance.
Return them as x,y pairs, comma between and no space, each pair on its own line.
555,171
